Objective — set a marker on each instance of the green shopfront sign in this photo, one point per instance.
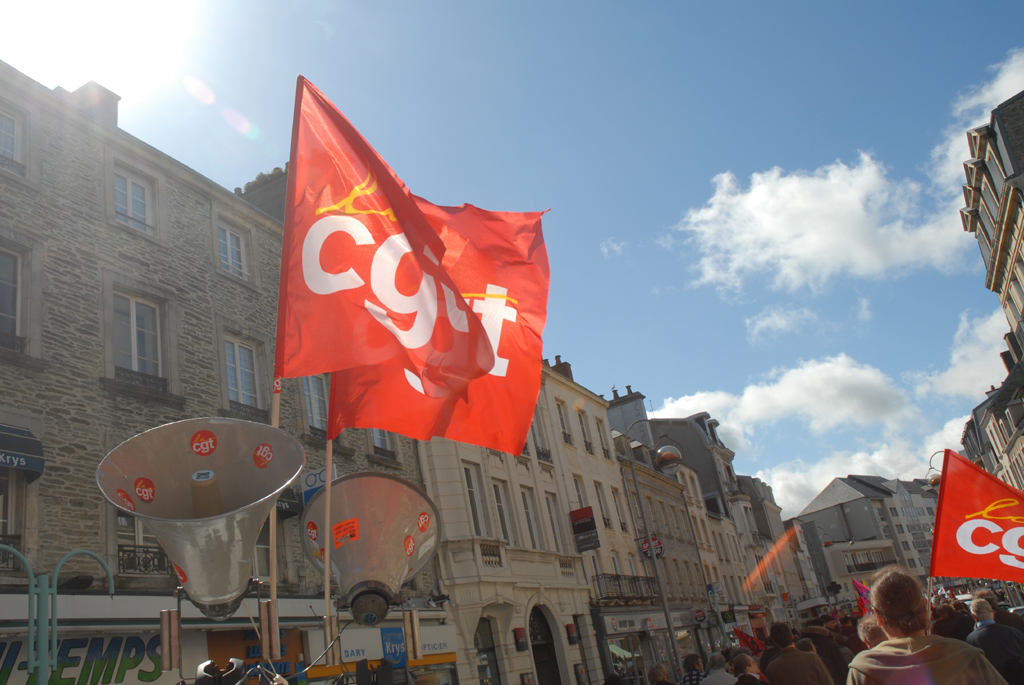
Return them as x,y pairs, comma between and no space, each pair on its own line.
90,660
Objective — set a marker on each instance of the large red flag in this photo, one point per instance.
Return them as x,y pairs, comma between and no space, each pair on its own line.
362,281
979,525
499,262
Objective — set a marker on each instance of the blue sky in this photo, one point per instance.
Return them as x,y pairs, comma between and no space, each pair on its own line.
753,205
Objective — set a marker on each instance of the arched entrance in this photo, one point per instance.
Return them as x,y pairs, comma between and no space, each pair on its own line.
545,663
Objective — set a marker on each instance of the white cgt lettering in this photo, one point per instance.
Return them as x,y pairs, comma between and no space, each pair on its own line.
1011,543
318,280
424,303
965,534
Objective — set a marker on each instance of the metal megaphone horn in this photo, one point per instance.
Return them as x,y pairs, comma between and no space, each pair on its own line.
204,487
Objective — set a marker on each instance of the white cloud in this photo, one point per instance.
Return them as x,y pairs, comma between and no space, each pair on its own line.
864,309
611,248
796,483
825,394
804,229
774,320
974,362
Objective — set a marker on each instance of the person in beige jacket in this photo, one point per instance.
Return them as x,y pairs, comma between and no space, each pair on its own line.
910,656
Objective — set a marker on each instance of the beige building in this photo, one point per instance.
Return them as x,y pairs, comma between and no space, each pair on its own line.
856,560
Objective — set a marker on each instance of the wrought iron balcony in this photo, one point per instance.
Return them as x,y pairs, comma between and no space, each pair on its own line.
588,446
384,453
544,454
318,433
9,562
526,449
11,165
612,586
249,412
143,560
139,379
566,438
12,342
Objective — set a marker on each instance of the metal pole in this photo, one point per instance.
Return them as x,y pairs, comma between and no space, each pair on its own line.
657,574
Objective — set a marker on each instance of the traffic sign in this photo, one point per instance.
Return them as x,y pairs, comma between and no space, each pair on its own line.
699,616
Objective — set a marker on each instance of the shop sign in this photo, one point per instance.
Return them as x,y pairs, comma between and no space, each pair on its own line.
392,641
728,617
682,618
699,616
659,548
313,481
584,529
246,645
438,639
633,624
90,659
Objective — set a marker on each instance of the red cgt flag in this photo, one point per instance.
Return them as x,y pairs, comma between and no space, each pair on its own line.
979,524
749,641
362,280
499,263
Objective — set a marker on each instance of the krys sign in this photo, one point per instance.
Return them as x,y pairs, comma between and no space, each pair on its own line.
89,660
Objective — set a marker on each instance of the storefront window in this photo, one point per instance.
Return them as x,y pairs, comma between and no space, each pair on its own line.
486,655
628,660
686,643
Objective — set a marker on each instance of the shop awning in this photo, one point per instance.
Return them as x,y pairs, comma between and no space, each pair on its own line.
619,652
288,504
20,449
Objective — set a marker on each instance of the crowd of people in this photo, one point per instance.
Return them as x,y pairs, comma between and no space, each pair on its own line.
905,639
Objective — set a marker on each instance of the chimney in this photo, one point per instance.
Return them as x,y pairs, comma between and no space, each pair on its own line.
615,394
95,100
629,390
562,368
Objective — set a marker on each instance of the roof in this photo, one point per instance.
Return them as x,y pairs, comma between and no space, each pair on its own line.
839,491
870,486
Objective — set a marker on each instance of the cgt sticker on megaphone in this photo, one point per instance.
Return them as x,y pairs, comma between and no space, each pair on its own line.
409,545
312,531
204,442
182,578
126,499
423,521
263,455
145,489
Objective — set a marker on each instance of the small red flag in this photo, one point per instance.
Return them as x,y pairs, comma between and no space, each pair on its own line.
362,281
749,641
979,525
499,263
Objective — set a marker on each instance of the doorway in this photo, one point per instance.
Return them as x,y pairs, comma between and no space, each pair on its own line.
542,641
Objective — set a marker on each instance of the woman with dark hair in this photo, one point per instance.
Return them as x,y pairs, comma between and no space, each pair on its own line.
910,655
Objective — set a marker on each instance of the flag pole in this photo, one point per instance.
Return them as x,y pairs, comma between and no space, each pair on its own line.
328,544
275,640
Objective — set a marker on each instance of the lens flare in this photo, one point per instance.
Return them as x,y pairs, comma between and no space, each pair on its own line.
199,90
761,572
240,123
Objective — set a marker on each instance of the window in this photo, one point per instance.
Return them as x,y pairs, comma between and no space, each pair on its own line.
580,499
504,517
931,512
380,439
601,439
10,269
314,388
131,533
8,480
906,546
136,335
261,558
912,563
615,565
899,528
7,139
132,201
650,511
600,505
618,510
892,510
566,435
233,257
553,519
531,521
473,494
632,566
241,373
584,433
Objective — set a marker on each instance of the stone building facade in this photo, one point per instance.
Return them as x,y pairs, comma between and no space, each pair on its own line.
135,292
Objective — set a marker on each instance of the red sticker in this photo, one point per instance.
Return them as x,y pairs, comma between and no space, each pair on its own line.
263,455
349,528
423,522
145,490
204,442
410,545
182,578
126,499
321,552
312,531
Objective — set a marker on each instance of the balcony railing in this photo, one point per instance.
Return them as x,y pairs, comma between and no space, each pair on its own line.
566,438
611,586
9,562
588,446
526,450
490,555
544,454
12,342
249,412
143,560
318,433
139,379
384,453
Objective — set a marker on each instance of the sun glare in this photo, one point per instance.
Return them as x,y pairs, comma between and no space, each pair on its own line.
133,48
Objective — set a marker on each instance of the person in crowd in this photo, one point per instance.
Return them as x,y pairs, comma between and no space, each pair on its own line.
693,667
767,656
848,629
793,667
1000,615
804,644
1003,646
737,651
718,673
951,623
745,669
910,655
869,632
613,679
658,675
826,647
